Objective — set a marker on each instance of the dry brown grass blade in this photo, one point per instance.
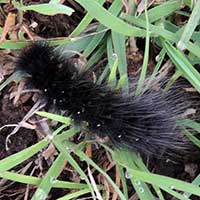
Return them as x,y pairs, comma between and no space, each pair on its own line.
9,24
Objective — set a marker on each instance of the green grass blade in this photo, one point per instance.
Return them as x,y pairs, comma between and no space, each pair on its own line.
173,79
73,163
49,9
194,139
155,30
58,118
122,81
69,133
123,180
74,195
16,76
20,178
175,194
4,1
49,179
128,158
169,184
120,49
163,10
190,26
146,56
84,22
196,181
159,59
96,56
73,48
84,157
113,73
190,124
183,65
54,1
103,75
17,158
13,44
115,8
193,48
109,20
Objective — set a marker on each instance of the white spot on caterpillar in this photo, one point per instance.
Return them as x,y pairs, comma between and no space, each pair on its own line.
78,112
45,90
119,136
137,139
98,125
62,91
60,101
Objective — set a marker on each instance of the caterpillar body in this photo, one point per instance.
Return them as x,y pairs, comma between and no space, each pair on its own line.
146,124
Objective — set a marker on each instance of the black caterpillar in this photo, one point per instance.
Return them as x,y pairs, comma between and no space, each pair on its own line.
146,124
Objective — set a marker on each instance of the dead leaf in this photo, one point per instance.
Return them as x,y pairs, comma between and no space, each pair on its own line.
50,151
141,6
9,24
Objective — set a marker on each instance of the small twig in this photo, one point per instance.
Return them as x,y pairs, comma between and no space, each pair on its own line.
13,94
99,197
8,125
33,110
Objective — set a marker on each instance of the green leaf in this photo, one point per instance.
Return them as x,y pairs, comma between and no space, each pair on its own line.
49,9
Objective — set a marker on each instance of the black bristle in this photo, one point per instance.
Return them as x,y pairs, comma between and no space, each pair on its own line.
146,124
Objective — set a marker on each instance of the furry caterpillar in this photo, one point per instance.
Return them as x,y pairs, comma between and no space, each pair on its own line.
145,124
